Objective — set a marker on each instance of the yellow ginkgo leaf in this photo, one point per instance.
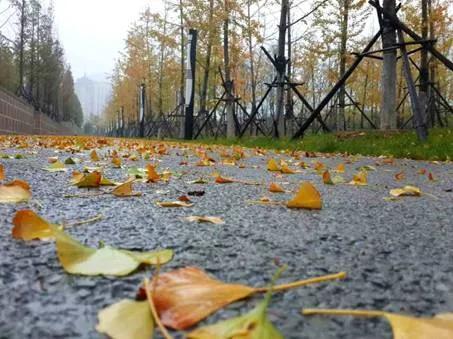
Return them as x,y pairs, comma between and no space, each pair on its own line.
360,179
28,226
307,197
273,166
152,174
13,194
126,319
204,219
404,327
285,169
56,166
174,204
340,168
125,189
89,180
94,156
406,191
79,259
276,188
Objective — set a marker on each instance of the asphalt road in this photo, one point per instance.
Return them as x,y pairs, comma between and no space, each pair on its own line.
398,254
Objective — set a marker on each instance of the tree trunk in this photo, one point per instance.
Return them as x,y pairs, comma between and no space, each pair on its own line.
340,121
207,65
388,81
252,59
289,94
231,128
424,66
279,124
182,100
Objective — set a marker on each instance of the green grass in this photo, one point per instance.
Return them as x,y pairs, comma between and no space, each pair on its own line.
373,143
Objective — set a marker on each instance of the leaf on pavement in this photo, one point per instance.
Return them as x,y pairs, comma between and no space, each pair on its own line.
326,178
400,176
406,191
28,226
254,324
307,197
116,162
2,172
222,180
17,182
205,219
79,259
340,168
173,204
88,180
404,327
14,193
57,166
360,179
273,166
276,188
94,156
152,174
126,319
125,189
185,296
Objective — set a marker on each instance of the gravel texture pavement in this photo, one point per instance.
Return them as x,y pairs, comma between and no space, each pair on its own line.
398,254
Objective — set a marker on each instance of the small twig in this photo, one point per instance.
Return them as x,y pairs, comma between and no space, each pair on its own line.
84,222
305,282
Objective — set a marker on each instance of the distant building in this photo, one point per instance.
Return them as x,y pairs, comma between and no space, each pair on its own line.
93,95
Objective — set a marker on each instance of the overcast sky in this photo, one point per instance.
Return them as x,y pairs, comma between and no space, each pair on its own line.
93,31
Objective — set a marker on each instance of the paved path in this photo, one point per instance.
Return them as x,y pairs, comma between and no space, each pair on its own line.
398,254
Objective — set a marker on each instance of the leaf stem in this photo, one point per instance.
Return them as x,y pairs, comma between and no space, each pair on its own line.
356,313
154,311
340,275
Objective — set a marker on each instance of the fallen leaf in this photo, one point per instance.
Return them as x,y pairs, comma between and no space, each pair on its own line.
318,166
273,166
399,176
431,177
276,188
18,182
326,178
212,220
307,197
152,174
127,319
125,189
14,194
360,179
254,324
185,296
404,327
340,168
222,180
2,172
184,198
79,259
28,226
94,156
174,204
116,162
406,191
57,166
70,161
89,180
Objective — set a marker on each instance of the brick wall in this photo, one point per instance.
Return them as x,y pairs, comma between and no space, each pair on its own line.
18,117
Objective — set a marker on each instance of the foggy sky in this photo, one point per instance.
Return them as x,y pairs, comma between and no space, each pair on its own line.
93,31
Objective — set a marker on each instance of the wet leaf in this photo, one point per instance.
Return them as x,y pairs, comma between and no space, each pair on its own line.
57,166
14,194
307,197
174,204
406,191
28,226
127,319
276,188
205,219
404,327
360,179
79,259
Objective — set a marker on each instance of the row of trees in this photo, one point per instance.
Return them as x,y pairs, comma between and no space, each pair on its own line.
32,61
318,46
